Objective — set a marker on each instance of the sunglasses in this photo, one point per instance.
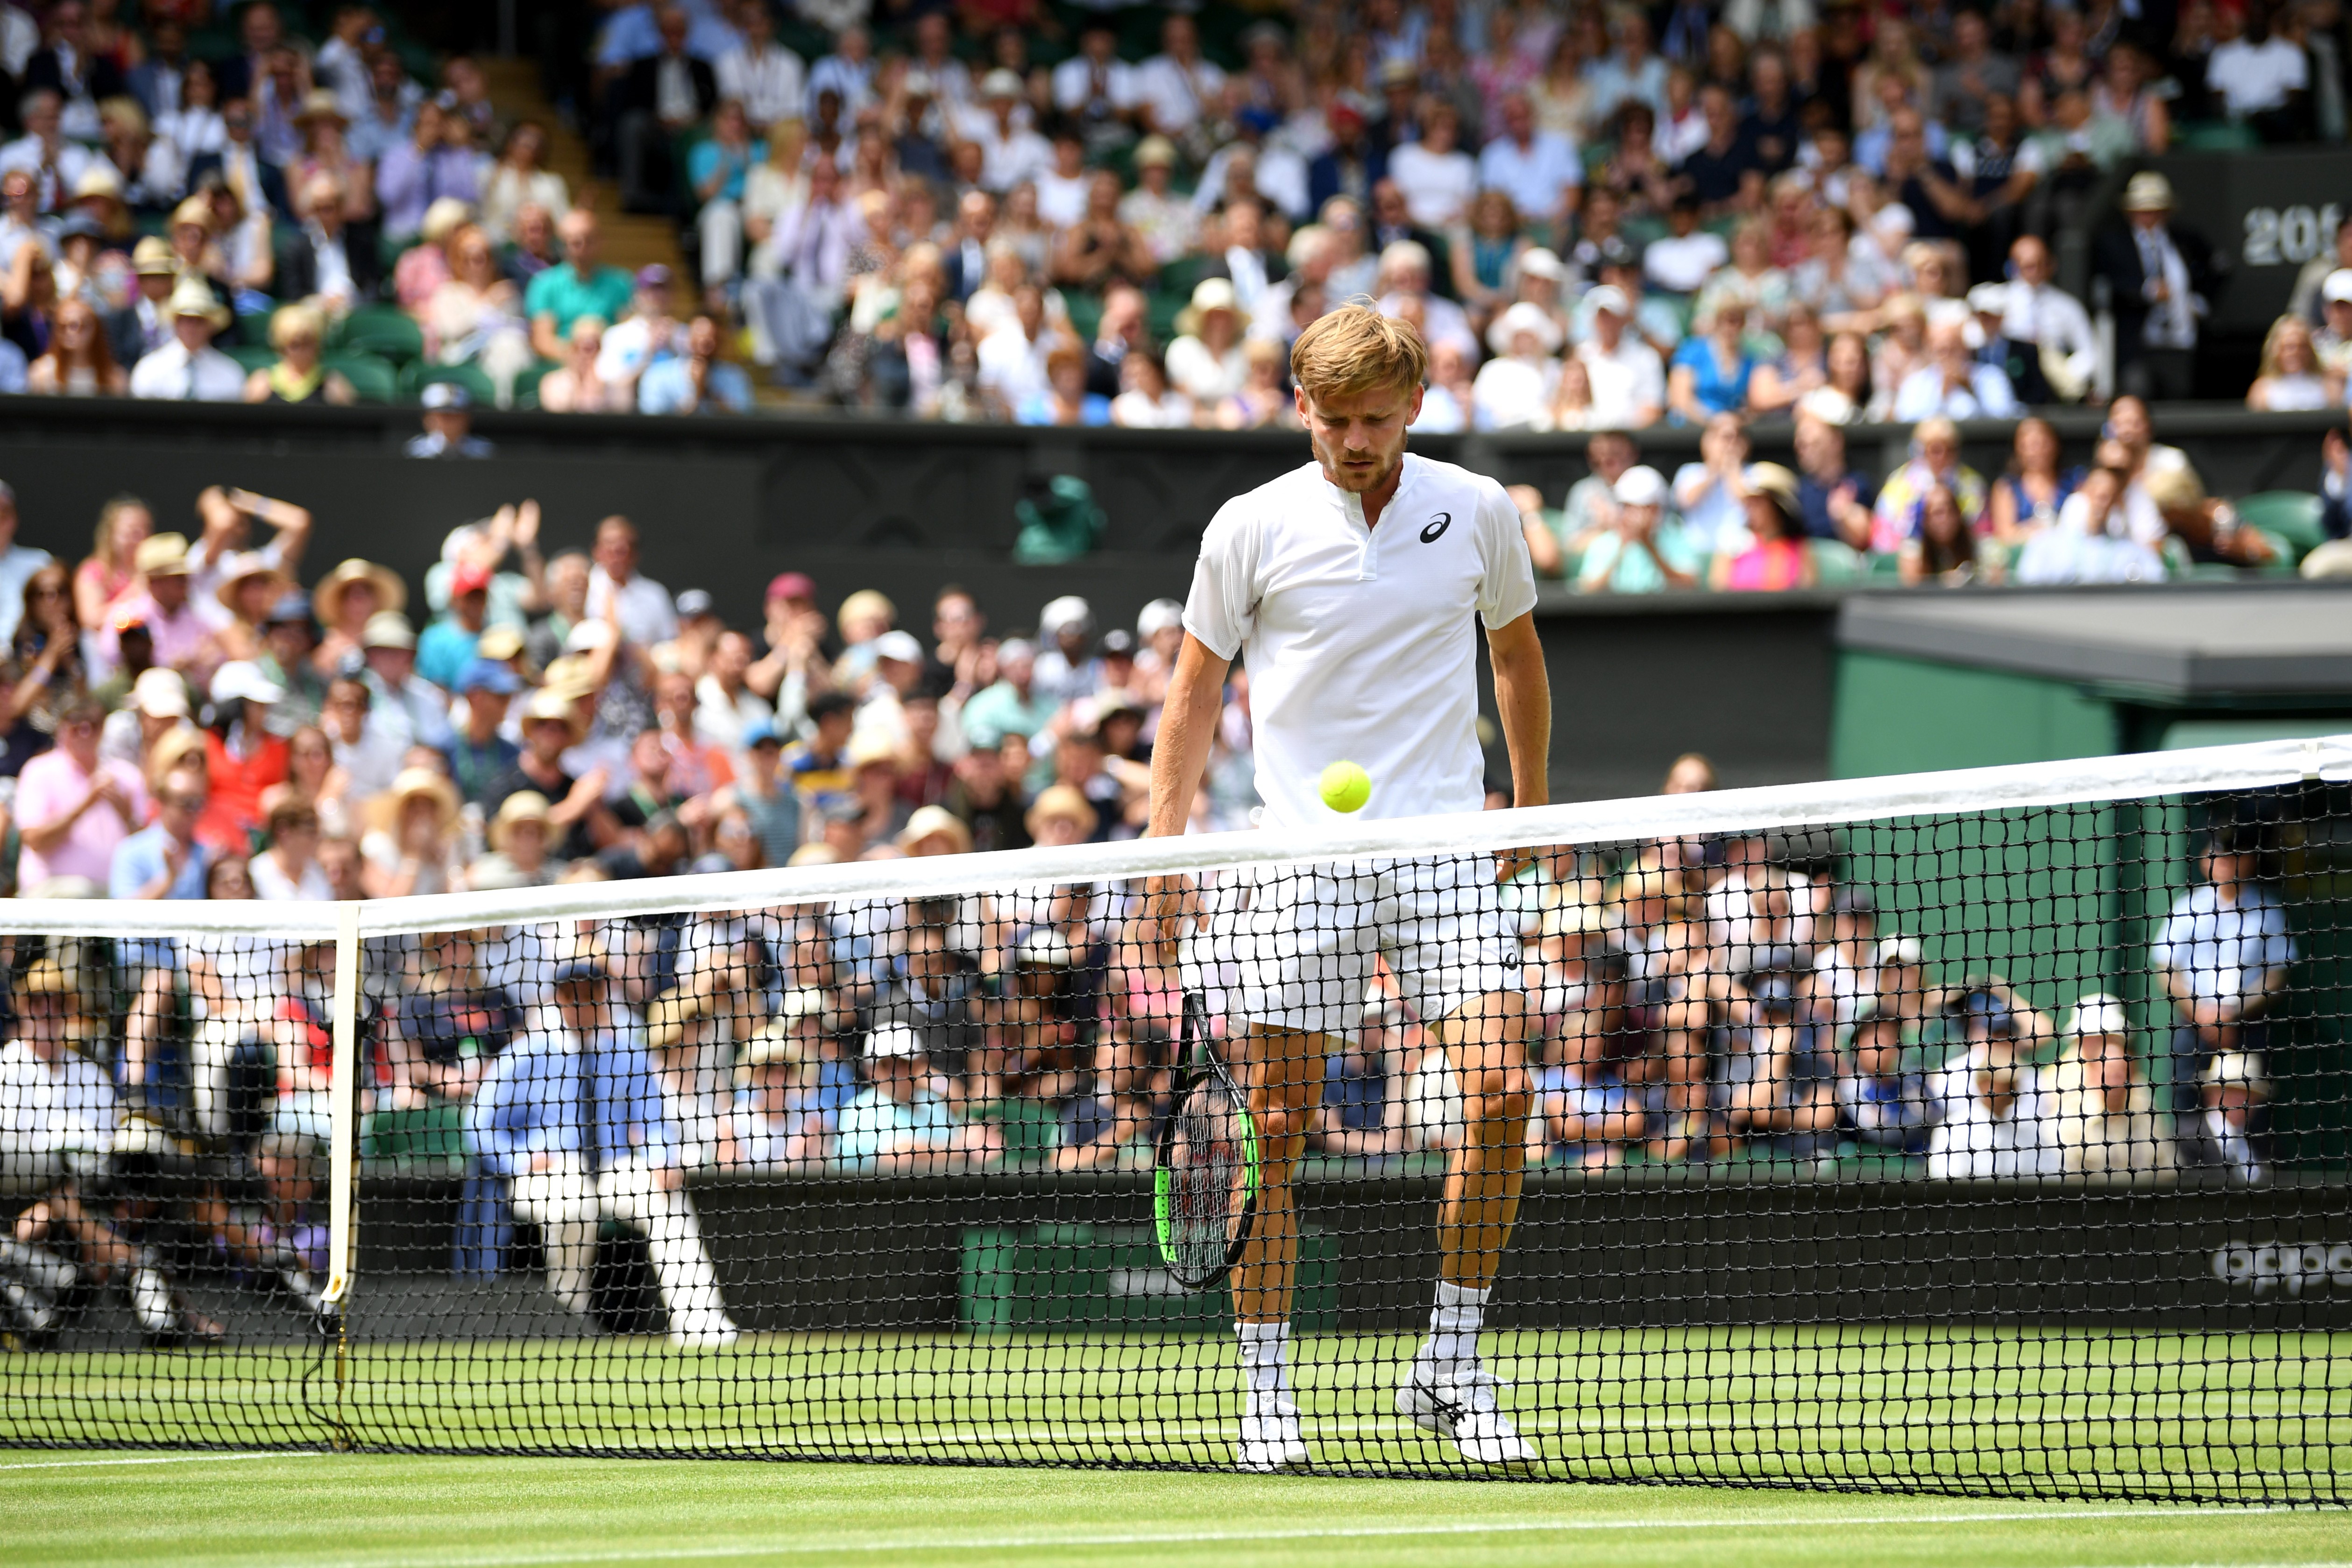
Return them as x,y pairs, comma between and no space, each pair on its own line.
182,802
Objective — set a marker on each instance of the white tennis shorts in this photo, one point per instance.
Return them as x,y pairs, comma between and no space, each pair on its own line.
1306,942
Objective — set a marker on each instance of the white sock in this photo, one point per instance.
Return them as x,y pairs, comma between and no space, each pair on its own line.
1265,1360
1454,1325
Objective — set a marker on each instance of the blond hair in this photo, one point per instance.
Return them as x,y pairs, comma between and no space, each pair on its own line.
1356,350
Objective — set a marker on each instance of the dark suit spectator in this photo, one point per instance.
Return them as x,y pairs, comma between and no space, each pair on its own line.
656,100
964,257
260,30
320,260
1355,163
144,325
2163,275
64,64
241,165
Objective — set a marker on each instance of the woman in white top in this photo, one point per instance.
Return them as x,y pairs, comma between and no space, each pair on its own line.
195,126
1438,178
517,179
288,871
1145,399
1513,390
2292,378
416,851
1206,361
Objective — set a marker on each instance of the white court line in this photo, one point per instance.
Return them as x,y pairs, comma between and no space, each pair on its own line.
163,1459
1465,1528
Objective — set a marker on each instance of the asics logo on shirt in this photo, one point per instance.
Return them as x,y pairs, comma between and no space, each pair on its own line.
1437,526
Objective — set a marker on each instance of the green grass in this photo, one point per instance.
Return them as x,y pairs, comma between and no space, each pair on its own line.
197,1512
2111,1414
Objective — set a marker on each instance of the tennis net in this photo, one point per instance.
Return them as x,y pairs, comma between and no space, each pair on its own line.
1979,1132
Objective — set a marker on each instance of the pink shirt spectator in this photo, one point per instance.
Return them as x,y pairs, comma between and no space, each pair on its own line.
179,638
49,789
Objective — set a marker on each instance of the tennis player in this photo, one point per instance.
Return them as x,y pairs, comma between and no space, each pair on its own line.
1349,588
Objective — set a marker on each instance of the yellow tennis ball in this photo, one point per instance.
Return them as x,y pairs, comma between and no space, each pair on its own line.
1346,787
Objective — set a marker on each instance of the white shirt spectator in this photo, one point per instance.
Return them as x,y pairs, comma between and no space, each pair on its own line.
1178,96
1923,395
1980,1137
1281,179
2071,550
1683,265
17,566
1194,369
2219,949
1062,203
2253,78
51,1109
2049,318
1008,157
273,885
1015,366
772,84
1135,410
1443,321
1511,393
1629,387
629,348
648,613
72,161
1073,84
1442,413
1437,186
854,83
1535,176
170,371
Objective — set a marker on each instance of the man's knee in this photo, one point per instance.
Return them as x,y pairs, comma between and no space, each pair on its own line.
1503,1093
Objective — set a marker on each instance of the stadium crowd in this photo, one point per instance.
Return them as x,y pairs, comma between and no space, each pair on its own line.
185,723
1602,216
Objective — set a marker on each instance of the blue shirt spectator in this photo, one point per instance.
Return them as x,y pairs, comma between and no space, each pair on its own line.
597,1099
669,387
1537,168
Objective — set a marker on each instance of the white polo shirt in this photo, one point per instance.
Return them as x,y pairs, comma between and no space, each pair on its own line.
1359,642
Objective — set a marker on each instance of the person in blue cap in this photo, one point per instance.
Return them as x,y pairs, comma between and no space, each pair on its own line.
478,755
573,1119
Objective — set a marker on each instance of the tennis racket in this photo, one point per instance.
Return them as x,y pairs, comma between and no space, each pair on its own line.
1204,1180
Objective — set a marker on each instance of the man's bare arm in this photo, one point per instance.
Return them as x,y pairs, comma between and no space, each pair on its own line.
1188,724
1523,697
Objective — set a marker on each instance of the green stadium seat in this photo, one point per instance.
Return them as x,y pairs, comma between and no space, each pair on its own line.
1086,312
372,377
478,386
251,357
1031,1130
385,330
1836,563
2292,515
2215,136
525,386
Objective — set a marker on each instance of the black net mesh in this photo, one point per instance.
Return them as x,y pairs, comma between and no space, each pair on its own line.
1999,1152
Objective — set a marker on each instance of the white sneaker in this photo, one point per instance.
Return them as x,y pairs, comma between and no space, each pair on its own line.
1462,1407
716,1333
1271,1439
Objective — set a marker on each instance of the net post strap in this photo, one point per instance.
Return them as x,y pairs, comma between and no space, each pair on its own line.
343,1149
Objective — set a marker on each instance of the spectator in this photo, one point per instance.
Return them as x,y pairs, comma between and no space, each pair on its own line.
2054,351
80,362
2164,274
479,756
297,332
448,425
2092,541
1953,384
2291,378
1886,1103
288,869
1436,178
176,629
578,385
1934,460
2234,1092
519,180
1206,361
1629,380
1513,388
1994,1120
643,610
2028,498
1538,170
2105,1120
1775,557
18,562
2224,956
526,1121
696,382
799,276
2261,76
1711,371
189,367
165,859
1644,550
73,808
768,79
